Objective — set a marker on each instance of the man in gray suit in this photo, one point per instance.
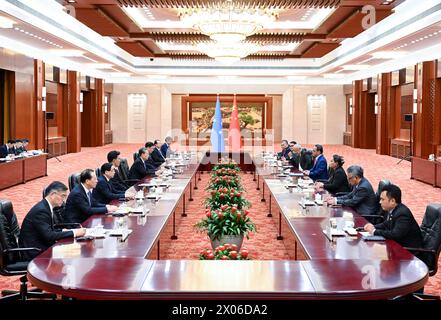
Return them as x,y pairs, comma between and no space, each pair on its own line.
362,197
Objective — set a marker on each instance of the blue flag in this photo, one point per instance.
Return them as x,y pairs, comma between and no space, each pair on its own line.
217,136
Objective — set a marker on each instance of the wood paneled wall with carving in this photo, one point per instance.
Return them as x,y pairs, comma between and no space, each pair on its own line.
395,97
425,125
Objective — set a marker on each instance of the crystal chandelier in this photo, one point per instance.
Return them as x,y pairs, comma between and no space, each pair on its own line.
228,24
227,54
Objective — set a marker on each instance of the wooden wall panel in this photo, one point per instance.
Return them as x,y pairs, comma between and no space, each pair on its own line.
73,113
87,129
22,108
356,114
383,141
99,83
39,132
425,118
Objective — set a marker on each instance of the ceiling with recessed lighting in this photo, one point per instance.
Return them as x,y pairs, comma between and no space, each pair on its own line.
311,41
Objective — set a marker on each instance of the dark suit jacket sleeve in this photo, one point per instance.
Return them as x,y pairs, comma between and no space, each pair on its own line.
104,188
82,204
156,158
164,149
354,198
137,170
44,228
150,168
339,180
399,230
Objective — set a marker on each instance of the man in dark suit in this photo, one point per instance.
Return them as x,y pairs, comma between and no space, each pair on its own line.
140,168
362,197
320,169
283,155
7,149
18,147
156,156
80,204
165,148
306,160
38,228
400,225
104,191
117,181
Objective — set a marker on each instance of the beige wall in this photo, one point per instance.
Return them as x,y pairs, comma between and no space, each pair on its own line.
295,113
290,109
158,113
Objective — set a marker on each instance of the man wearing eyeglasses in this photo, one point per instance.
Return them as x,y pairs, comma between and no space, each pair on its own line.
362,197
38,228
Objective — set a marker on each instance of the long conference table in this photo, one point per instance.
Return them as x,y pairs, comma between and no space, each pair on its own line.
344,268
22,170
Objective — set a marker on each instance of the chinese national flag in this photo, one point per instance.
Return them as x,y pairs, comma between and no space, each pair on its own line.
234,136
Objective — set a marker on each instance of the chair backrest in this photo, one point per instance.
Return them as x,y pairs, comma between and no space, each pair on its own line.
135,156
381,185
124,169
306,159
9,232
431,232
98,172
74,179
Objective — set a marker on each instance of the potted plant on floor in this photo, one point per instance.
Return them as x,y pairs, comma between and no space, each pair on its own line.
226,224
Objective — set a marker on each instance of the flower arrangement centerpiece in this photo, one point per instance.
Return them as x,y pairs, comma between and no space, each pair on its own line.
224,252
220,182
226,196
226,218
226,222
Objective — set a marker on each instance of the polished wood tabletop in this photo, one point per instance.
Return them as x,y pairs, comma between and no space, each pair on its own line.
345,268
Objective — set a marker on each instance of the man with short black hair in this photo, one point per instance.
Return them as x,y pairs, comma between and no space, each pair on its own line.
156,157
117,181
283,155
7,149
38,229
104,191
400,225
319,171
80,204
141,168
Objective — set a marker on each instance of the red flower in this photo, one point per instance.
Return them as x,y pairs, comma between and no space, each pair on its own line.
237,194
220,215
227,245
231,194
222,195
233,254
244,253
208,214
246,212
238,216
225,258
210,256
233,209
221,248
234,247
